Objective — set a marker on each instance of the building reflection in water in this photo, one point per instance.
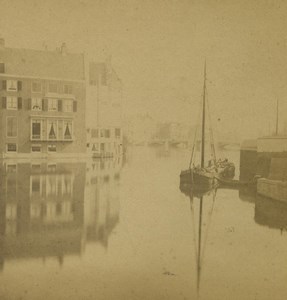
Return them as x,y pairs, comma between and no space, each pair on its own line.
271,213
53,209
267,212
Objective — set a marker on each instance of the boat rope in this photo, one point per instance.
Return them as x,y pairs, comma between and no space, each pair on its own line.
193,152
212,146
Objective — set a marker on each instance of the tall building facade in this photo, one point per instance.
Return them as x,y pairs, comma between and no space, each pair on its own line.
104,113
42,111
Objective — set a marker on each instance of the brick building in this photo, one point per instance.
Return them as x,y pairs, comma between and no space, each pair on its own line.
42,111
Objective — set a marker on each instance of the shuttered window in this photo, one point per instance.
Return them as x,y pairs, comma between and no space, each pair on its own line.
12,103
68,106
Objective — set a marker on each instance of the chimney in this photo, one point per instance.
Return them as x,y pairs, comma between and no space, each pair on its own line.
64,49
2,43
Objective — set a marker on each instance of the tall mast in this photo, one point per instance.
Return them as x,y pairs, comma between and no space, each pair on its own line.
203,119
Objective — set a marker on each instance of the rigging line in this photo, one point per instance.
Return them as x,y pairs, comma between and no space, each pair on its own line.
193,147
209,222
211,131
193,152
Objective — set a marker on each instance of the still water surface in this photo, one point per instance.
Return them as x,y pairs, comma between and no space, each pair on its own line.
124,230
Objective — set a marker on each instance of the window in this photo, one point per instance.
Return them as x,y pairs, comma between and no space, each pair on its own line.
52,130
102,132
12,103
12,147
51,168
68,89
53,87
11,127
36,168
52,148
95,147
117,132
107,133
52,104
36,148
11,168
35,184
36,129
36,87
2,68
36,104
11,211
12,86
95,133
67,130
68,105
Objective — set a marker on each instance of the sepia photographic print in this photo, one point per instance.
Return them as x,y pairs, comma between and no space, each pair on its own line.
143,149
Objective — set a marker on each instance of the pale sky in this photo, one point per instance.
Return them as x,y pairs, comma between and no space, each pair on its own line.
158,48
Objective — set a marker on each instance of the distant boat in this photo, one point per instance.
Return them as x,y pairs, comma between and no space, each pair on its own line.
205,177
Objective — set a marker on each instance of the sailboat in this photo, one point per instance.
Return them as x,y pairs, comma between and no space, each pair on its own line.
205,177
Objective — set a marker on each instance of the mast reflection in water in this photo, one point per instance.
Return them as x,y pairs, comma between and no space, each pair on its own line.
201,204
51,209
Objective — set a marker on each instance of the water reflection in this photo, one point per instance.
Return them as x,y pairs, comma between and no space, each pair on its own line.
201,205
271,213
267,214
51,209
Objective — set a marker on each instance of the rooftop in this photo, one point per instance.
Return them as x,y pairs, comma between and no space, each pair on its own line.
42,63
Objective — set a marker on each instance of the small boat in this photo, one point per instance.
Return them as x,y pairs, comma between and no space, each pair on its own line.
205,177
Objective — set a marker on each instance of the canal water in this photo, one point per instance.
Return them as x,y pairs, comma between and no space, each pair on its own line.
123,229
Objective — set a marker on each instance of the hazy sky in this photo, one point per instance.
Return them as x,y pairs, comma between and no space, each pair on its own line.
158,49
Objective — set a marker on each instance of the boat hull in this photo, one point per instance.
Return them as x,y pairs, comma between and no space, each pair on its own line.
199,180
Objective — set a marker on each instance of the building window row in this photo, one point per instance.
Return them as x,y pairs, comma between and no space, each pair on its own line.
11,85
37,87
105,133
46,185
39,104
35,148
51,129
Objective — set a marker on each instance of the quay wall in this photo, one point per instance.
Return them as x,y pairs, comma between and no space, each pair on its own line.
274,189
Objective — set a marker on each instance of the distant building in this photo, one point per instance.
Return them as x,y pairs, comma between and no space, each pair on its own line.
104,110
139,129
42,111
173,132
